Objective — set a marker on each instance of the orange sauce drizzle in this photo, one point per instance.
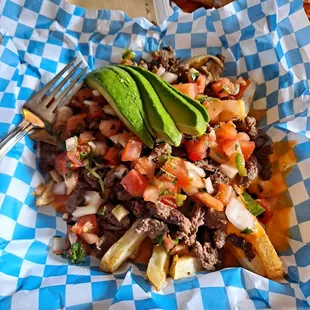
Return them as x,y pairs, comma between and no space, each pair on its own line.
275,191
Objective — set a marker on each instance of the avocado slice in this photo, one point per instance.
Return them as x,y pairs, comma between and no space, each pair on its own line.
123,75
193,102
123,95
160,120
187,117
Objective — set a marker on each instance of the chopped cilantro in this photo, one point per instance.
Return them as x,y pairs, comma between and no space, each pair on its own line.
236,147
75,254
83,155
68,164
69,174
247,231
102,210
176,241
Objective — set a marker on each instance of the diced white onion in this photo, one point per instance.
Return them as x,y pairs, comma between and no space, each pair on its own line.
189,166
81,211
107,109
119,171
209,186
229,170
119,212
56,176
72,237
169,77
58,245
92,145
100,148
65,216
160,71
92,198
96,93
89,102
115,138
90,238
60,188
71,182
71,143
239,216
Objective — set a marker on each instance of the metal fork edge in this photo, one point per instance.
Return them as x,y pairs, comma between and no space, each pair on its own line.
31,120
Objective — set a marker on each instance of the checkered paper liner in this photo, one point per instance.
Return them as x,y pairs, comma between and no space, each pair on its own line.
268,41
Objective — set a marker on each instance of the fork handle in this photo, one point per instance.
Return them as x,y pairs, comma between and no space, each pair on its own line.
14,136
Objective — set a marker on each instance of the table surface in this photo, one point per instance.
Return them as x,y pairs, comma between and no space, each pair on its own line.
133,8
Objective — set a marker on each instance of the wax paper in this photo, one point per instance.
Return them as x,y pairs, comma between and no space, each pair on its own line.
268,41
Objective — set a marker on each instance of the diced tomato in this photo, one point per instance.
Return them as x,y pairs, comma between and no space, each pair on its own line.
244,83
85,137
94,111
62,163
85,94
247,148
226,131
188,89
169,187
242,136
74,158
230,147
110,127
224,193
223,88
86,223
169,202
267,215
132,150
195,180
112,156
168,243
209,201
197,149
176,166
134,183
75,121
201,83
151,193
145,166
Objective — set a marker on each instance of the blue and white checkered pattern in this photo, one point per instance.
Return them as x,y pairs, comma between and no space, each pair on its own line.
267,41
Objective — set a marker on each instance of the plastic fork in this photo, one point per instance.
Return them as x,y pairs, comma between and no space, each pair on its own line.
41,107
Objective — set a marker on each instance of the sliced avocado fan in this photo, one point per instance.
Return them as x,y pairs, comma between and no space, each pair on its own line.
123,95
187,116
160,120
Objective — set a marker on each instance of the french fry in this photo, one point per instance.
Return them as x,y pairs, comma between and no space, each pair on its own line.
158,267
263,248
184,266
255,265
47,197
122,249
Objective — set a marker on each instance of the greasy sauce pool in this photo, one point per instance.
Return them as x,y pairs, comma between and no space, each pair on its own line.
275,191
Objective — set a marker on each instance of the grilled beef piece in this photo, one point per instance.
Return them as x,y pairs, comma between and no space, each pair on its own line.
179,151
90,179
216,221
219,178
252,172
169,215
137,207
47,153
242,244
205,165
76,198
197,220
262,147
152,227
160,152
207,256
109,221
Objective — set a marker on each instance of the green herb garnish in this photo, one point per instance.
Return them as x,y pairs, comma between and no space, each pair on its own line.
75,254
253,206
247,231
